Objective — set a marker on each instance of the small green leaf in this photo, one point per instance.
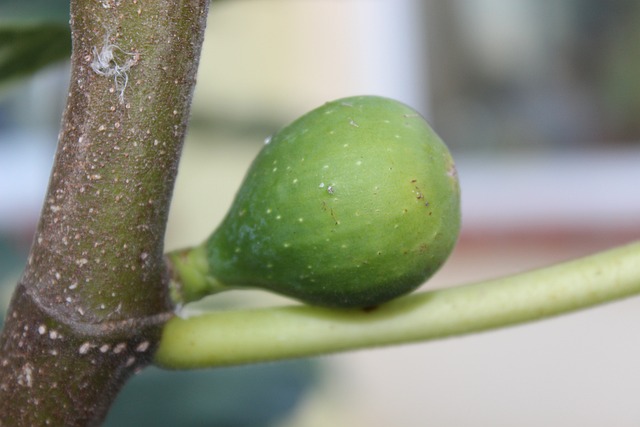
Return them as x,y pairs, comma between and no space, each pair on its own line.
27,49
33,34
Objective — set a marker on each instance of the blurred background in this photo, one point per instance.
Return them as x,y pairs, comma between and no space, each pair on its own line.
538,101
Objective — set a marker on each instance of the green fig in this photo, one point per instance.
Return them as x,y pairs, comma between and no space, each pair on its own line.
351,205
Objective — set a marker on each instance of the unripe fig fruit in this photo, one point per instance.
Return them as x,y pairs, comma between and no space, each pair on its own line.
351,205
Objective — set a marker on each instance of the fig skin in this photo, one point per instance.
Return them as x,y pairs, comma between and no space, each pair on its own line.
351,205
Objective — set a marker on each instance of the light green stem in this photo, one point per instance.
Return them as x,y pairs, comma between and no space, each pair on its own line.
190,277
247,336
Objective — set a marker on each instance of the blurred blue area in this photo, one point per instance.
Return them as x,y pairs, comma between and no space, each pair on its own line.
248,396
34,11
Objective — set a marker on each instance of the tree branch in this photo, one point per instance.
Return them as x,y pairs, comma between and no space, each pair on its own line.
247,336
87,310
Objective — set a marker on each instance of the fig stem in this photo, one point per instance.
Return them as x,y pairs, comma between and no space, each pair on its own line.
190,278
257,335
